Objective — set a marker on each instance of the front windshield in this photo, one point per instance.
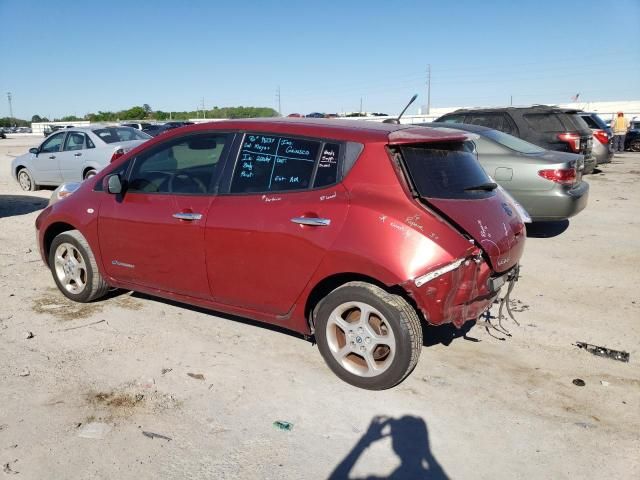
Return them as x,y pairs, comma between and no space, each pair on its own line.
514,143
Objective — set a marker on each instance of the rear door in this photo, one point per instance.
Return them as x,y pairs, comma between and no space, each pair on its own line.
73,156
448,178
283,209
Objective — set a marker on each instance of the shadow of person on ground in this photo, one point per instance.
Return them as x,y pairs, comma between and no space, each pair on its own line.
547,229
12,205
410,442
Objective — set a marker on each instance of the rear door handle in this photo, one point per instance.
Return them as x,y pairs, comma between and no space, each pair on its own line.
52,157
312,221
187,216
77,154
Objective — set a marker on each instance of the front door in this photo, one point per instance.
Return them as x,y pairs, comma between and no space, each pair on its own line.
45,163
268,234
153,234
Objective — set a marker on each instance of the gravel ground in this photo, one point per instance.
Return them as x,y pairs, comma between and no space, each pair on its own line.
485,409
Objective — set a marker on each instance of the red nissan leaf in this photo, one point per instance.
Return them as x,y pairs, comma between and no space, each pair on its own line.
355,232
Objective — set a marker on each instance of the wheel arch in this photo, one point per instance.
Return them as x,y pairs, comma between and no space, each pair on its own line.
331,282
88,167
19,167
52,232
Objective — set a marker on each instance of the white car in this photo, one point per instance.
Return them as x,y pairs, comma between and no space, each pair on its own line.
74,154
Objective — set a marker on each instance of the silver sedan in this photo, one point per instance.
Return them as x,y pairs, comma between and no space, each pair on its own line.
74,154
548,184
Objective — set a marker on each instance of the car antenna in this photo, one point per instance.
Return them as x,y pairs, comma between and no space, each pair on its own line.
397,120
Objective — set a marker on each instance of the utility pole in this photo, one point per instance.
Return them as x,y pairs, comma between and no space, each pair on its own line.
511,101
278,97
204,112
360,104
428,89
10,106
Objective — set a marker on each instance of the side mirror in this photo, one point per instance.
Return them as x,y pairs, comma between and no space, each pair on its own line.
34,150
114,185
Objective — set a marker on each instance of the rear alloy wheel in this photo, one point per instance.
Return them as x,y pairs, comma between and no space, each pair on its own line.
369,338
634,146
89,174
26,181
74,268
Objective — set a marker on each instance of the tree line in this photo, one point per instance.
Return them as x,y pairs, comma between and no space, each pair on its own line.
145,112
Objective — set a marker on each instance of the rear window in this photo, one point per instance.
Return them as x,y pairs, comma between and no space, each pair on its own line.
120,134
590,121
511,142
445,170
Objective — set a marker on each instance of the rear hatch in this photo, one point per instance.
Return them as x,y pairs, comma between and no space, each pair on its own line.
561,131
448,178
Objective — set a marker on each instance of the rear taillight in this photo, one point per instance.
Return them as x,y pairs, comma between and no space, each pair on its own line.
564,176
116,155
601,136
572,139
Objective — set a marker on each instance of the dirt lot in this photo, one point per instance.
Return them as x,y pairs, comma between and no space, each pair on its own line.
482,409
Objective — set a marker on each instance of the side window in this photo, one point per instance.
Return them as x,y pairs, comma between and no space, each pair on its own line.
90,143
268,163
53,143
74,141
487,120
327,171
544,122
508,125
453,119
186,165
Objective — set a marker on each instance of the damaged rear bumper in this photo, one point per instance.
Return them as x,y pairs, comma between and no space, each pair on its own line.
459,291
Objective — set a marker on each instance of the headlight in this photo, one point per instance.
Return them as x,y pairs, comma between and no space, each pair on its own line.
63,191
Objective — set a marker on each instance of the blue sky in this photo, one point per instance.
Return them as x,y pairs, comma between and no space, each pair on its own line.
72,57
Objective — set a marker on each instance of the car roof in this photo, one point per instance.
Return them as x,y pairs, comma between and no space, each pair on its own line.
348,130
541,108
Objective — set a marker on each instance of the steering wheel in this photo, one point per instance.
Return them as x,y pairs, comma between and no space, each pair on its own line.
185,183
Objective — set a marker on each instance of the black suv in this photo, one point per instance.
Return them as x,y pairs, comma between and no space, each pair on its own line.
549,127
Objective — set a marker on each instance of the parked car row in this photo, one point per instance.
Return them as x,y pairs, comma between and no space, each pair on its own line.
5,130
548,127
155,129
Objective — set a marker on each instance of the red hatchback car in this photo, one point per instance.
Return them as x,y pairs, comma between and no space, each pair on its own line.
355,232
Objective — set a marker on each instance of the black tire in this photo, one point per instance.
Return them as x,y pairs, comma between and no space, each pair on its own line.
634,146
26,181
89,173
94,286
398,315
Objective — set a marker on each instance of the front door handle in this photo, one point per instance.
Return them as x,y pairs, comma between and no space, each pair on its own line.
187,216
52,157
312,221
77,154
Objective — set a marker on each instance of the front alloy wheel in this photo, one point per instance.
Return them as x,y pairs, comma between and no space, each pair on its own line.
26,181
70,268
75,269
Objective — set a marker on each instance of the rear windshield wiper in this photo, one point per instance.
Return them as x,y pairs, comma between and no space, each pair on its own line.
487,187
